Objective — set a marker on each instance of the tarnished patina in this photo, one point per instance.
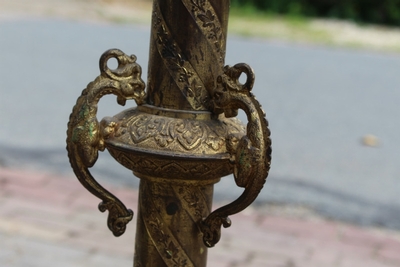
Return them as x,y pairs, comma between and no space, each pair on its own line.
180,139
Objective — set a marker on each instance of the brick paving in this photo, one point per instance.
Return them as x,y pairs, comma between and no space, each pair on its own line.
46,220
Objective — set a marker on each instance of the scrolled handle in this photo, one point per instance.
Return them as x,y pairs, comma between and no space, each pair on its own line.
85,135
251,154
233,74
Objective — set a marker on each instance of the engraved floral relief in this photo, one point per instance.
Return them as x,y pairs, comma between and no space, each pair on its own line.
166,243
205,17
168,250
194,202
145,128
178,66
188,134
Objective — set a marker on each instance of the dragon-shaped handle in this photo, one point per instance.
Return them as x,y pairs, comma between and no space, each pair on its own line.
85,135
251,154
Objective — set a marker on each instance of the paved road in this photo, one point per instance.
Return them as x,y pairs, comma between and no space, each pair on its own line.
46,220
320,102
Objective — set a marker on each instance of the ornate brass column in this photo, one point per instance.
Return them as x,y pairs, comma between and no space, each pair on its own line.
180,139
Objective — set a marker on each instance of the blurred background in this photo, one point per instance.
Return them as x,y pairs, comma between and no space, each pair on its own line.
327,75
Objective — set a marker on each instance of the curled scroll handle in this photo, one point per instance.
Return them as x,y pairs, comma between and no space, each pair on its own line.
251,154
86,136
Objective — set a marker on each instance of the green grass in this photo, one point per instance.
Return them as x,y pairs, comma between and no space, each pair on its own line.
249,22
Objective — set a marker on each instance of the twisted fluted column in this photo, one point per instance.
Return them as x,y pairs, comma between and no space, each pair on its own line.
187,52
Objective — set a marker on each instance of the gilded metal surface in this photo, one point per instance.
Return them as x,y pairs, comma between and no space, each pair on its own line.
84,135
185,61
170,212
173,147
251,153
177,135
180,139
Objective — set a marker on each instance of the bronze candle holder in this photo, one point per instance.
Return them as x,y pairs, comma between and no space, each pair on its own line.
180,139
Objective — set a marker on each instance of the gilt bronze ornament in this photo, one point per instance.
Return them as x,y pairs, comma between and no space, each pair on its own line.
180,139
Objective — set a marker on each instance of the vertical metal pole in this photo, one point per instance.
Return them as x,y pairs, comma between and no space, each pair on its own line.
168,232
187,51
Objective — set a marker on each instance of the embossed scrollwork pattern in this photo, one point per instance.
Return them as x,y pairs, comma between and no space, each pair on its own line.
178,135
206,19
162,237
180,69
86,136
187,133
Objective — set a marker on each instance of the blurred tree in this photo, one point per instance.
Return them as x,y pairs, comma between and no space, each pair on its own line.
369,11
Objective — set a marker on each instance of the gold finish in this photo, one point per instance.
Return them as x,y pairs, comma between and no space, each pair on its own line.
251,154
85,136
180,139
